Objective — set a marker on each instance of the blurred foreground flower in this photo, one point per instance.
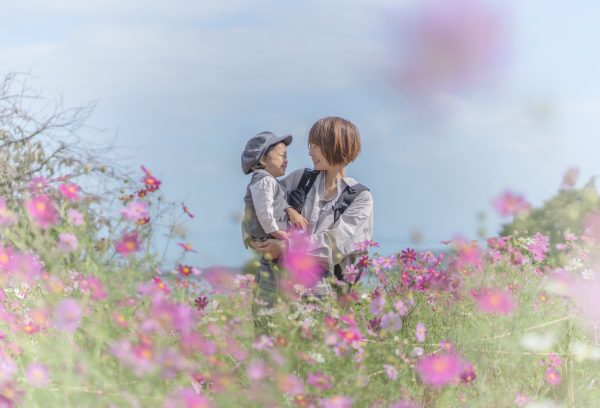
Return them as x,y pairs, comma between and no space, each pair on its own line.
440,369
42,211
37,375
303,269
495,301
447,45
67,315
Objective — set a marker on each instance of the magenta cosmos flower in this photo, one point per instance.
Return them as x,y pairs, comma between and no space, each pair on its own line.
440,369
128,244
70,191
42,211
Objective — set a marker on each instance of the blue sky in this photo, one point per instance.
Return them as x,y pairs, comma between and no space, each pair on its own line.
181,85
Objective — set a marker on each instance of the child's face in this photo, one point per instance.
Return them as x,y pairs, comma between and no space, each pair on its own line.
275,161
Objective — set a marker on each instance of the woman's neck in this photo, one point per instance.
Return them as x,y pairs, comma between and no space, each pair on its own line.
333,175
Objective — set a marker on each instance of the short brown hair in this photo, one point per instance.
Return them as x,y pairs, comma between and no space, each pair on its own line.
338,139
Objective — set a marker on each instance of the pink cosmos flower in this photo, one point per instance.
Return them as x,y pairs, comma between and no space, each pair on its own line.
408,255
521,400
75,217
554,360
37,375
173,316
320,381
290,384
377,303
338,401
128,244
263,343
135,211
351,272
511,204
67,242
151,182
70,191
495,301
94,286
391,372
6,254
440,369
24,267
7,366
257,370
540,247
494,256
468,374
38,185
42,211
553,376
401,308
67,315
420,332
468,254
186,247
138,357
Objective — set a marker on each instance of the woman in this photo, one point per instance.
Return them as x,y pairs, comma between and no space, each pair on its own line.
333,143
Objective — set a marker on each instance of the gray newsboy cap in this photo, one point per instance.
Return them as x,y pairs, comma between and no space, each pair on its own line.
258,145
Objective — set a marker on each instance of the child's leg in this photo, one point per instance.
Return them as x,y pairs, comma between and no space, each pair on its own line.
264,296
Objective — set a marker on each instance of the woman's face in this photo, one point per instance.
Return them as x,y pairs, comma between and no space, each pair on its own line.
275,161
318,159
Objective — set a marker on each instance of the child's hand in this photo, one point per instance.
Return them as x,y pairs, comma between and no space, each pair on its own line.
297,220
281,235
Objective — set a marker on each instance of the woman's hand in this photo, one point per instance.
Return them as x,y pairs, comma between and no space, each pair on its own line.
271,248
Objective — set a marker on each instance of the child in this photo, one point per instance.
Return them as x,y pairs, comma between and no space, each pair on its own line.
267,212
266,215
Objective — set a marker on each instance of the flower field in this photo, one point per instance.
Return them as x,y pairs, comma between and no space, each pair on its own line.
90,315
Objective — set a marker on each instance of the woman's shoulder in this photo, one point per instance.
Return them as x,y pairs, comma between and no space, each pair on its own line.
351,182
291,180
